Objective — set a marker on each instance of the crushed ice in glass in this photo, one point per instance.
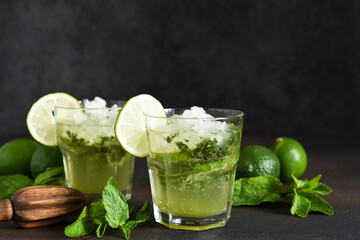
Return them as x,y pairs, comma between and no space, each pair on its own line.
95,119
97,111
191,127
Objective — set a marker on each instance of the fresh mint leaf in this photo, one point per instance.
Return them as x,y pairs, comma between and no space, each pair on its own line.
111,210
126,228
318,204
322,189
289,188
289,197
301,193
307,185
97,212
81,227
305,198
209,166
131,208
144,213
100,231
313,183
11,183
298,182
129,225
300,205
117,210
141,216
255,190
52,176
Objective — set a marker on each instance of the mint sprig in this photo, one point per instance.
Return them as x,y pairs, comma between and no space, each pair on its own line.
9,184
51,176
253,191
82,226
305,197
116,208
302,194
112,210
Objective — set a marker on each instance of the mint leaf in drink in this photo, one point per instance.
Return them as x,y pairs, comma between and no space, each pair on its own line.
51,176
300,205
81,227
117,210
207,150
11,183
255,190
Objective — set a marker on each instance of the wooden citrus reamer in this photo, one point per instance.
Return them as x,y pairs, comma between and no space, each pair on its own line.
38,206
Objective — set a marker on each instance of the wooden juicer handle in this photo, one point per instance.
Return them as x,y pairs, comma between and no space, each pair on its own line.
6,211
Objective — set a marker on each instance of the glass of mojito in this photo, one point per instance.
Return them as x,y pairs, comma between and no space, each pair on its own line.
192,165
91,153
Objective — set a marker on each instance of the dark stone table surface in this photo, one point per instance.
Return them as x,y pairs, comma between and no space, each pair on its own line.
338,162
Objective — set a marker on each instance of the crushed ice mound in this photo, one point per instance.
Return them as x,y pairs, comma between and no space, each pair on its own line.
98,102
191,127
96,110
94,119
194,112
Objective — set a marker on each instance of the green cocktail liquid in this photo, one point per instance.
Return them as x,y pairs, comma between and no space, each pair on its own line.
195,183
89,165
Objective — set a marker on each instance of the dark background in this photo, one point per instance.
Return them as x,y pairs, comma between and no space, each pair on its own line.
291,65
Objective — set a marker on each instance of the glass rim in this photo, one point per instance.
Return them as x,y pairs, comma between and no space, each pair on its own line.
99,108
239,114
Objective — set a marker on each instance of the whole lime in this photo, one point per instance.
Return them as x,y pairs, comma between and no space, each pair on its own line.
43,158
292,157
256,161
15,156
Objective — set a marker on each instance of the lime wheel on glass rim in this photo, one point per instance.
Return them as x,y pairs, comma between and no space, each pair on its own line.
130,127
40,119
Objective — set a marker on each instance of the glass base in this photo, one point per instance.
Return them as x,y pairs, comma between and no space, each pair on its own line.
190,223
127,193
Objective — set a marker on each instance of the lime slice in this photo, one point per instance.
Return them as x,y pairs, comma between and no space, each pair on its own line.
40,119
130,124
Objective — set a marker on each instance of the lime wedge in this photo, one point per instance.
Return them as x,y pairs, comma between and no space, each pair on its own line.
40,119
130,124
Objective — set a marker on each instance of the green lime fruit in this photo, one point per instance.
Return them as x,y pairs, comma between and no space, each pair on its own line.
41,120
256,161
43,158
292,157
130,127
15,156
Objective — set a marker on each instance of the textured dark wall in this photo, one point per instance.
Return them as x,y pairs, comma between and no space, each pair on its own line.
291,65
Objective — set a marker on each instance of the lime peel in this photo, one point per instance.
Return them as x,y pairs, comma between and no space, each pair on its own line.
130,127
40,119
